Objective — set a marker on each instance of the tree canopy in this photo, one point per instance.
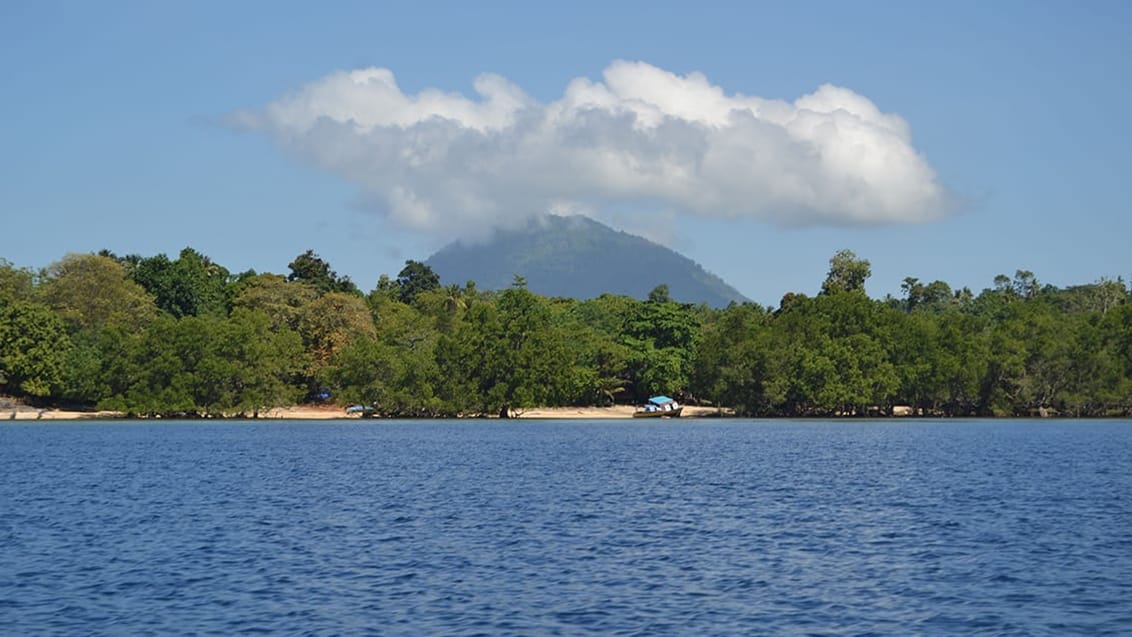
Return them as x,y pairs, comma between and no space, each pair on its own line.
153,336
308,267
415,278
92,292
847,273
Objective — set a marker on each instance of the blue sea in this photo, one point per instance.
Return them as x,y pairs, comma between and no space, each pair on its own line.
711,527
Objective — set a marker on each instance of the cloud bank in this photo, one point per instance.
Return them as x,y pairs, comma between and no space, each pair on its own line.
441,162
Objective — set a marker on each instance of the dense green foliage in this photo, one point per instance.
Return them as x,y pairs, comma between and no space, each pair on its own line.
153,336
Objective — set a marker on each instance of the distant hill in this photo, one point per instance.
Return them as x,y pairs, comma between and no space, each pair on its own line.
580,258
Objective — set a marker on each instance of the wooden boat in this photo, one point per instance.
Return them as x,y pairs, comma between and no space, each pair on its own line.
659,407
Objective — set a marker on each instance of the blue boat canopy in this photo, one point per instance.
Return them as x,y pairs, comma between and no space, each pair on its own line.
660,400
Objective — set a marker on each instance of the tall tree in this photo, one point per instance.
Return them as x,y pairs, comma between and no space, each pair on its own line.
170,368
935,296
415,278
662,335
84,368
33,349
723,366
91,292
847,273
329,324
1031,354
16,284
398,379
200,286
281,300
505,356
264,364
310,268
963,355
191,285
834,355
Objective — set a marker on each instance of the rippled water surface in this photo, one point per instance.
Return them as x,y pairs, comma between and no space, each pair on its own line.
565,528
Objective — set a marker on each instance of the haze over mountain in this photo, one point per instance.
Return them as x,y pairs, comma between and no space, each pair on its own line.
580,258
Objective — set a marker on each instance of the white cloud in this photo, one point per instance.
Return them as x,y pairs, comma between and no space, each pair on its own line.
441,162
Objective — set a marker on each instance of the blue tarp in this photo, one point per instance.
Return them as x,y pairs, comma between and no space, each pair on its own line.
660,400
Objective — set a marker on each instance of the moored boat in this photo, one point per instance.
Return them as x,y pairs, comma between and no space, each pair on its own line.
365,411
659,407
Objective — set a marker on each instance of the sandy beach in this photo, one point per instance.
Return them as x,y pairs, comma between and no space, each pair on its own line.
32,413
298,412
617,411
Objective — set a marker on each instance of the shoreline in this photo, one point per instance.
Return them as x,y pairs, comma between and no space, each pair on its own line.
322,412
614,412
25,414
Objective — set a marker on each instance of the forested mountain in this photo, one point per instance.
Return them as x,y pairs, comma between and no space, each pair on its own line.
577,257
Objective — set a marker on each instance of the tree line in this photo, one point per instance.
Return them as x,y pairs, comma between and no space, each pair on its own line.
154,336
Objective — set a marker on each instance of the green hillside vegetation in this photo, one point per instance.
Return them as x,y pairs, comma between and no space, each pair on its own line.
576,257
185,337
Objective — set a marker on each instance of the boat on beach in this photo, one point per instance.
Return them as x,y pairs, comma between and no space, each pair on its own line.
659,407
365,411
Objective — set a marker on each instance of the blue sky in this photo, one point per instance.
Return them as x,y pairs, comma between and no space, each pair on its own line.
147,127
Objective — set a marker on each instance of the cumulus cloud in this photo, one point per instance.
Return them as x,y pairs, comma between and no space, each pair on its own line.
442,162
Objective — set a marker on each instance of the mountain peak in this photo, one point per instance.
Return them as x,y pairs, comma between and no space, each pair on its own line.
575,256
